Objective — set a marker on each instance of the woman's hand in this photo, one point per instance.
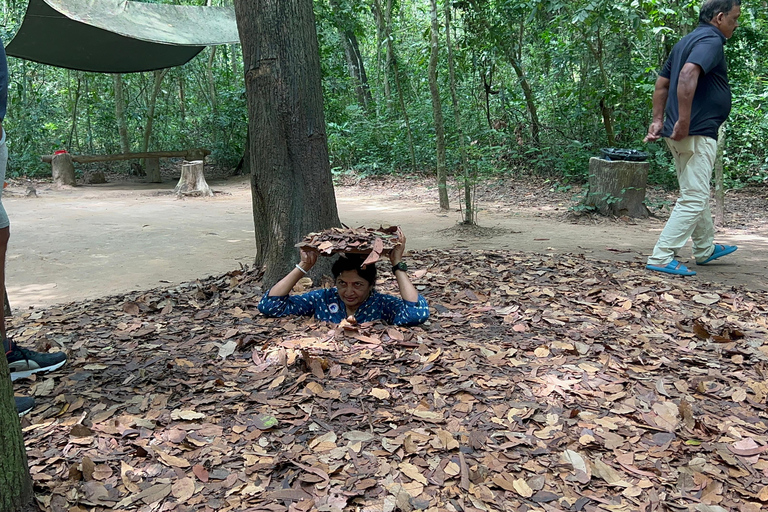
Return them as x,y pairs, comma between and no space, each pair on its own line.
308,259
396,256
283,287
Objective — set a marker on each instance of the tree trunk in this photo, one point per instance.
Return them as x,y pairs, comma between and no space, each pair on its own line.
233,61
15,482
392,61
357,69
152,168
406,119
617,187
437,109
192,180
355,64
530,101
211,81
63,170
389,61
381,64
73,129
159,75
291,179
469,210
719,185
88,117
182,101
122,125
605,109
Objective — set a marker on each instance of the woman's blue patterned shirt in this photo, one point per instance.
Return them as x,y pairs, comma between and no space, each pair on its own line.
326,305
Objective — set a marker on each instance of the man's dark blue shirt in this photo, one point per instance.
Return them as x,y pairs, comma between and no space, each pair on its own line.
712,100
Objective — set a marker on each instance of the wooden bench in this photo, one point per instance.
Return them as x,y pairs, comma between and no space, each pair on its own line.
63,169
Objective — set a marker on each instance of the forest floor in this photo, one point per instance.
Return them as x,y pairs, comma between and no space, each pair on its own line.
555,373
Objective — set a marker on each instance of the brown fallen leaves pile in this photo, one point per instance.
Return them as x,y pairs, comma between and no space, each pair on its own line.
371,241
540,383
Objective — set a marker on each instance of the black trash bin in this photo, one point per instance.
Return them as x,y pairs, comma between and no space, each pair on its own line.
629,155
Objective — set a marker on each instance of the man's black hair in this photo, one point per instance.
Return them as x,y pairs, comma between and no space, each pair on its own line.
353,262
711,8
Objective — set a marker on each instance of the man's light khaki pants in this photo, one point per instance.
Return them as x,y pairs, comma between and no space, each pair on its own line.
694,160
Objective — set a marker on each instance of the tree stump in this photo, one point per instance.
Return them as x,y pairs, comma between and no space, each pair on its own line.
152,168
63,170
617,187
192,180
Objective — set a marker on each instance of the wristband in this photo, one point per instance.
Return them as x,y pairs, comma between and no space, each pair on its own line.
400,266
302,270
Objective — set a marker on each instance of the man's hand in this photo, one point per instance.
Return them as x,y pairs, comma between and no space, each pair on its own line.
654,131
680,131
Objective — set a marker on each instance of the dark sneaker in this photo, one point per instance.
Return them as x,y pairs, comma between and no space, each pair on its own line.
24,404
24,362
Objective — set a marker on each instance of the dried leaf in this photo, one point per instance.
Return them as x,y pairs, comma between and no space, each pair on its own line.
183,489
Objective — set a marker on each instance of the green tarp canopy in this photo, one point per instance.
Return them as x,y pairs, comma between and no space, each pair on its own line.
119,36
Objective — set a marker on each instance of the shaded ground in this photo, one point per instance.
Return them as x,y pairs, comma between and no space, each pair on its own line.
554,374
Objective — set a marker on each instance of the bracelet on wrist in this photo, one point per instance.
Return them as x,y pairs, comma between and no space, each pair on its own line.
302,270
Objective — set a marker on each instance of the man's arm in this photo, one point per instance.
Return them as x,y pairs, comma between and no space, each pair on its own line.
660,94
686,88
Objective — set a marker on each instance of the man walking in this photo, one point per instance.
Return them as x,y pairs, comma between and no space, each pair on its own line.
693,91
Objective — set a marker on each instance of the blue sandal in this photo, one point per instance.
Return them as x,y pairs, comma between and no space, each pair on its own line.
720,251
673,267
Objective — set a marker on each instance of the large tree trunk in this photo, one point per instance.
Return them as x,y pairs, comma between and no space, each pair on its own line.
437,109
469,210
122,125
290,169
15,483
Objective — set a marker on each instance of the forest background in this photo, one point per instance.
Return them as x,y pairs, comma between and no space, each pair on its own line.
534,86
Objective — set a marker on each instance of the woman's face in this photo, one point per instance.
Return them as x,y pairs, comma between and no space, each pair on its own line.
353,289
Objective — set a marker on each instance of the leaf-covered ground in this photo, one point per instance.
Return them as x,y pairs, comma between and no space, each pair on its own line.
541,382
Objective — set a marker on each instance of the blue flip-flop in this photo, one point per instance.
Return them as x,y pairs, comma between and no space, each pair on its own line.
720,251
673,267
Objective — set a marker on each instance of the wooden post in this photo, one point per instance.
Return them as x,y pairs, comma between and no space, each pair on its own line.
192,180
719,185
63,170
152,168
617,187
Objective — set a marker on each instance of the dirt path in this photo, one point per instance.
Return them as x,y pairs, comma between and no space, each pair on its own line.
68,245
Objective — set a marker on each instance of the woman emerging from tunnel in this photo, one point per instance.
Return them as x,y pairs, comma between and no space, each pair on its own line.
353,298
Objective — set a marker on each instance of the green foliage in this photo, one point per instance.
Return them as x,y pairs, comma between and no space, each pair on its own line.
589,68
